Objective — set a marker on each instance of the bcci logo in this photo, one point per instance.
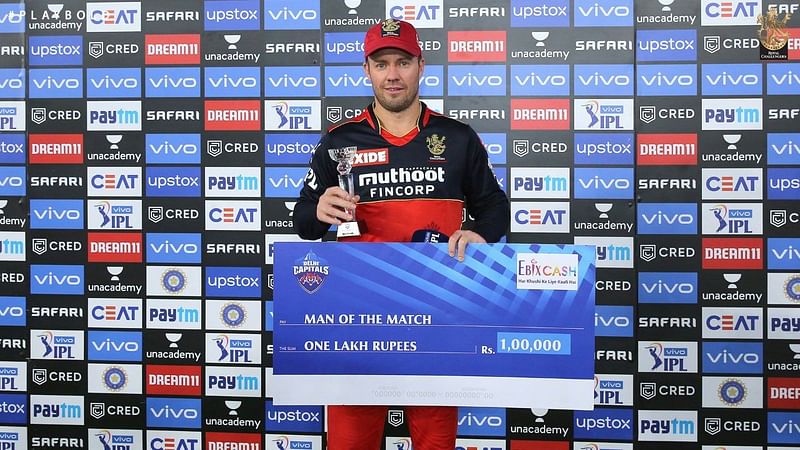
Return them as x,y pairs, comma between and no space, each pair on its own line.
311,272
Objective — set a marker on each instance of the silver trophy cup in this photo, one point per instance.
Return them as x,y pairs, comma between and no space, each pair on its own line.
345,157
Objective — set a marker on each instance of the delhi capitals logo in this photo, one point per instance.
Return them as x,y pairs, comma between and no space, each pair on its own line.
311,271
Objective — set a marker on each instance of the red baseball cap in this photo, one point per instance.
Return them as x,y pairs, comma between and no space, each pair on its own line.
392,33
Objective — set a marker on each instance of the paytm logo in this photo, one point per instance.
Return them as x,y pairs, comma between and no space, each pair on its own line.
604,424
609,13
289,148
113,17
114,116
666,45
610,79
604,183
783,184
12,83
173,314
173,413
290,81
56,214
239,282
528,182
12,18
667,218
603,148
12,181
172,148
346,81
232,82
232,15
539,13
233,182
55,50
730,12
495,144
420,13
113,83
283,181
668,287
12,314
468,80
613,321
611,252
56,410
666,79
115,345
291,15
12,148
481,421
233,381
344,48
57,279
12,246
733,357
732,79
538,81
172,82
732,114
173,181
174,248
293,419
668,426
783,79
56,83
783,254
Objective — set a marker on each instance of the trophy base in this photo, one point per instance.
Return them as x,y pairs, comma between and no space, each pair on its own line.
348,229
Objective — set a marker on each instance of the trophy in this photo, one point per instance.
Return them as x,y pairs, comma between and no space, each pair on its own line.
345,157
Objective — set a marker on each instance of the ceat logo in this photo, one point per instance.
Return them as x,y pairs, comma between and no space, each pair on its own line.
240,115
666,149
55,148
733,253
113,17
735,12
172,49
476,46
426,14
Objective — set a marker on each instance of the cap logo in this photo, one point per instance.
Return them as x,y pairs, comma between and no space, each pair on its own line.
390,27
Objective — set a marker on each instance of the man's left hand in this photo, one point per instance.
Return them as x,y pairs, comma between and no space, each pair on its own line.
459,240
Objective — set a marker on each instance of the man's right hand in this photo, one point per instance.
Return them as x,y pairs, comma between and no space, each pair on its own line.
333,205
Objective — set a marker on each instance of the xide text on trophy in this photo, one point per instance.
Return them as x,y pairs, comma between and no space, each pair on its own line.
345,157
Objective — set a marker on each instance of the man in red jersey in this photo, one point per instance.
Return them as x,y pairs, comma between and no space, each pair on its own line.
415,172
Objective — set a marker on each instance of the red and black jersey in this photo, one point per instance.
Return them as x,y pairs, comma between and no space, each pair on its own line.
420,181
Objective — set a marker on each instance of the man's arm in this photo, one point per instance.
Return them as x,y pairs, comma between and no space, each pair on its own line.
321,175
485,201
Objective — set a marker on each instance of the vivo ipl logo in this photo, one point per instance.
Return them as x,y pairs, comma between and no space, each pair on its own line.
310,272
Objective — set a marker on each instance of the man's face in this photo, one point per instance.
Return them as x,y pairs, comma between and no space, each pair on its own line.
395,77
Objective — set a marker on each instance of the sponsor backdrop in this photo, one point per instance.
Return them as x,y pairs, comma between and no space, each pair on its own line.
150,153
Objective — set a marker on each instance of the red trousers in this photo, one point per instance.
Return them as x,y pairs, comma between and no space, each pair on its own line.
361,427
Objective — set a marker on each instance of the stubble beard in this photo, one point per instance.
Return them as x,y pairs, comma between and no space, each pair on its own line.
397,104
